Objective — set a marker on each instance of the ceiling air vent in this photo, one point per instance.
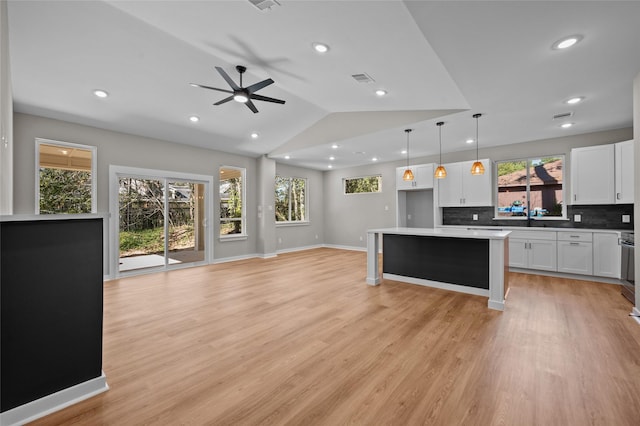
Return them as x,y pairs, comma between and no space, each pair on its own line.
264,4
563,115
363,78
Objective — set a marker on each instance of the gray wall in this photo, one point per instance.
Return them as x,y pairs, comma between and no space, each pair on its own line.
132,151
636,154
309,234
347,217
6,118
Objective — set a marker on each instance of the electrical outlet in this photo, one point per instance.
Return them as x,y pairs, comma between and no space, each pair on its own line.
626,218
408,217
386,208
361,239
475,217
279,240
316,236
577,218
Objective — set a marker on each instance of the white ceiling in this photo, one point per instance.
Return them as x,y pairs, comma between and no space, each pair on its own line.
437,60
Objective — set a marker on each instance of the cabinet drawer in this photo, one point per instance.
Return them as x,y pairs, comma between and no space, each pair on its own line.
575,236
534,235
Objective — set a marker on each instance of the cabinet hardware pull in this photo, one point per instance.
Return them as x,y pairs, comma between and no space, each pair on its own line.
574,236
575,197
574,244
617,195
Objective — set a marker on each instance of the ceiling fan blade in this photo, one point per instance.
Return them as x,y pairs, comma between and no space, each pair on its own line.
225,100
251,106
226,77
258,86
266,99
210,88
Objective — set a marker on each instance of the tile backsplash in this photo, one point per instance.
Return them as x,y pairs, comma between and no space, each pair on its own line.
607,216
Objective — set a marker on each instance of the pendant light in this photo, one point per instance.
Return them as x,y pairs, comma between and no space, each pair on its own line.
408,174
441,172
477,168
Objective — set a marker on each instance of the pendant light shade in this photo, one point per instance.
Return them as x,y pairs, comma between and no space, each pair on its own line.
440,172
408,174
477,168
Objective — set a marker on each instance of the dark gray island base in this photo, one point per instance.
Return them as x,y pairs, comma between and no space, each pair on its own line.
468,261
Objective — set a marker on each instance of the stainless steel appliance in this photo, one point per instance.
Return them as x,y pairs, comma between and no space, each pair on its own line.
627,266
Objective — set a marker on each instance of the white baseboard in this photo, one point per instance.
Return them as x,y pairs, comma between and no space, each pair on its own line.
242,257
294,249
56,401
437,284
636,314
340,247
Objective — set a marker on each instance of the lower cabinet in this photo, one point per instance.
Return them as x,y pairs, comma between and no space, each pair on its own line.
538,252
575,253
606,254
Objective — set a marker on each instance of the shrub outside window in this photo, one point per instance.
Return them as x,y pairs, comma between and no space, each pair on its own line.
291,199
363,185
531,187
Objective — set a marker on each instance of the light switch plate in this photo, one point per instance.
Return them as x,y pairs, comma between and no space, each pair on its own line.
475,217
626,218
577,218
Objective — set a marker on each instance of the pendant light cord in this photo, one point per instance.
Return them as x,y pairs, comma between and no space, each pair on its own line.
408,131
477,116
439,124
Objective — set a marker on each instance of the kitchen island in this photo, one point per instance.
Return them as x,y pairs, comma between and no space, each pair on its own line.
468,261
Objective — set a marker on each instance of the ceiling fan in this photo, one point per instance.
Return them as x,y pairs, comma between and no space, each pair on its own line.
242,94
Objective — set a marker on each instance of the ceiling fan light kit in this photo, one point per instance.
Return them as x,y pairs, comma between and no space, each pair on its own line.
477,168
239,93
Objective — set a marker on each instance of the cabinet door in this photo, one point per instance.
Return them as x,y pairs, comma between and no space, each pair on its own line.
518,253
606,255
624,172
476,190
450,188
542,255
423,176
575,258
593,175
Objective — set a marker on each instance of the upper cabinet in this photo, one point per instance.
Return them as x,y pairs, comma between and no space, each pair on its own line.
422,177
624,172
602,174
462,189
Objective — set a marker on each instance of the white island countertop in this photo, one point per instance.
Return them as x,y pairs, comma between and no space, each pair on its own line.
444,232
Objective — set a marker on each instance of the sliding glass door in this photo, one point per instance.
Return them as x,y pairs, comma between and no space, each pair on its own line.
161,222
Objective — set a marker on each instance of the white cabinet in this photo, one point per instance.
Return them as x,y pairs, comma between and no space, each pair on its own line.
462,189
602,174
593,175
575,252
624,172
533,250
606,254
422,177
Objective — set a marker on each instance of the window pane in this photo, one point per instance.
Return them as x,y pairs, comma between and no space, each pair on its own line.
363,184
545,186
65,179
282,199
231,208
512,188
291,198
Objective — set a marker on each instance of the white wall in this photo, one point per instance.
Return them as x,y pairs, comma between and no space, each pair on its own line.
303,235
636,154
132,151
6,118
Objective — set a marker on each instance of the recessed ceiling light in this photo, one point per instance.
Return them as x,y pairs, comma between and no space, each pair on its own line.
374,159
255,135
332,158
381,92
194,118
286,157
334,146
566,42
100,93
470,141
320,47
330,166
566,125
404,151
575,100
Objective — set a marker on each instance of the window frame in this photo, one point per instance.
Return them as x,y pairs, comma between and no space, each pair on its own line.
344,184
243,199
94,169
528,160
306,203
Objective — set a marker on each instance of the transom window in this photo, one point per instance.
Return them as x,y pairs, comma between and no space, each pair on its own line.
531,187
65,177
363,184
291,199
232,201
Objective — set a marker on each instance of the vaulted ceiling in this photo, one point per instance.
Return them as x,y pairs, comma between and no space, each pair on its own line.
437,61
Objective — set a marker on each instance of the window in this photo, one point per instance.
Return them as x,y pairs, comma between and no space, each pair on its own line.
365,184
232,201
65,177
291,199
531,187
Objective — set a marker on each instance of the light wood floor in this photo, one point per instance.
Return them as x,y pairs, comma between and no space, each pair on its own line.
302,340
